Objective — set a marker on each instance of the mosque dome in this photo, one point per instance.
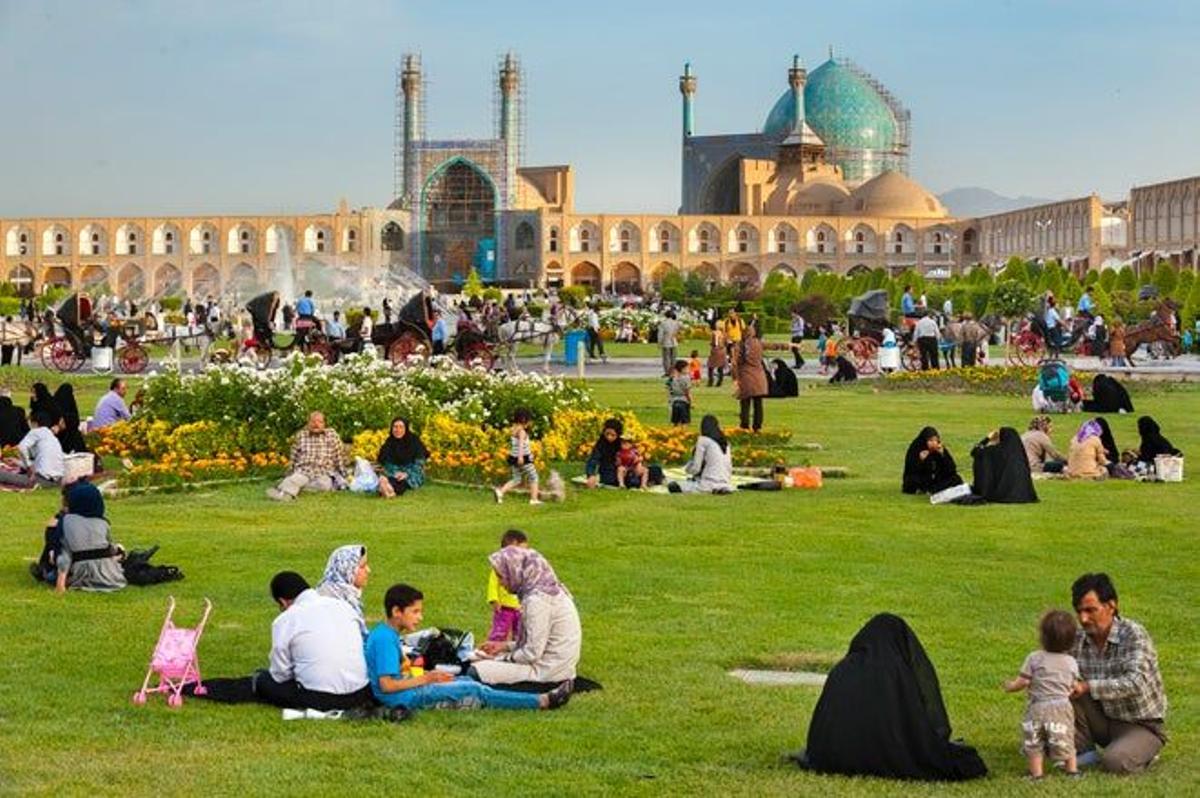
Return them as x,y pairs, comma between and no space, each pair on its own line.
894,194
819,197
852,114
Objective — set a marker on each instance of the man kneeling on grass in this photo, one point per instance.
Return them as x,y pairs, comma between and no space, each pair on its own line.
394,683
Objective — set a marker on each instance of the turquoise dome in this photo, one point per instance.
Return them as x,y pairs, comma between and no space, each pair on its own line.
846,111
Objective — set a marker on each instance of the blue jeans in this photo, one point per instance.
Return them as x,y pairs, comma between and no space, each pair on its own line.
462,693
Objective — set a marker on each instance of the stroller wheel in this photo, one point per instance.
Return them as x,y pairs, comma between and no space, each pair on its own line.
175,700
200,690
139,698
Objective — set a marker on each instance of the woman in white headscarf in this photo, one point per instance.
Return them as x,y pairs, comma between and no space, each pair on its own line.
548,647
346,574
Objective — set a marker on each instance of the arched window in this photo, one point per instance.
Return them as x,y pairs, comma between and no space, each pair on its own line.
624,238
585,236
704,241
781,240
392,237
552,246
664,237
899,237
523,238
95,243
743,239
320,241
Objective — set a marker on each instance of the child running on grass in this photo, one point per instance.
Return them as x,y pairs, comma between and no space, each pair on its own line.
1049,675
520,459
694,366
506,608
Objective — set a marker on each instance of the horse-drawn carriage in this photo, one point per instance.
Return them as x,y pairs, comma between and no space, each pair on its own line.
69,350
1031,343
868,316
307,335
410,336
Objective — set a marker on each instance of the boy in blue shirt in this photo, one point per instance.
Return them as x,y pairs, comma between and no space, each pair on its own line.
394,683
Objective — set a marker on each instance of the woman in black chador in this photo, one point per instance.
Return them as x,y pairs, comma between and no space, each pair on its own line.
928,466
1001,472
881,713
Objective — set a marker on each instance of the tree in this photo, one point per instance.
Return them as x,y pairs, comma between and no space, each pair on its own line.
1091,278
673,287
1191,307
1126,280
1011,299
1072,290
1165,278
1104,303
1108,279
779,293
473,287
1015,269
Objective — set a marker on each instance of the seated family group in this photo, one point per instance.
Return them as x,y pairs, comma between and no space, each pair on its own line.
324,658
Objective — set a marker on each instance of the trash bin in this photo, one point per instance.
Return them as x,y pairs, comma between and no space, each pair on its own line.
571,342
102,359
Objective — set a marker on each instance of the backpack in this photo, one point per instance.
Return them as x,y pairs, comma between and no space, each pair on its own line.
139,571
1054,379
442,648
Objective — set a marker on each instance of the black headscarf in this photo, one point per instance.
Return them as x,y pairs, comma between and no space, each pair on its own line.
604,452
84,498
936,472
1108,396
1001,470
70,438
711,428
1153,442
881,713
43,402
1111,453
13,426
405,450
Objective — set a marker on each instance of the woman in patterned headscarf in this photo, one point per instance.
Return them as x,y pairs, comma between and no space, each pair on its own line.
548,648
1086,458
346,574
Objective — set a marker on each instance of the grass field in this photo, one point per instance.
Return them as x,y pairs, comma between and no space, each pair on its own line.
673,592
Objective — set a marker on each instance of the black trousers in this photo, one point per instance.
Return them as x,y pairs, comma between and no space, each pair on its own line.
796,339
261,688
439,347
758,413
6,355
719,373
928,347
594,343
681,413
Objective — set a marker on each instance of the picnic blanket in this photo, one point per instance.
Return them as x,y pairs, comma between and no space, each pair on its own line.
674,475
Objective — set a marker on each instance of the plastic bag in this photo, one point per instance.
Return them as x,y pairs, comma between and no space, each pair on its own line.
365,479
805,477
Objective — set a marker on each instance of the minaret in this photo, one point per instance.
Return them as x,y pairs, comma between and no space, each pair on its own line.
796,78
687,87
412,85
510,133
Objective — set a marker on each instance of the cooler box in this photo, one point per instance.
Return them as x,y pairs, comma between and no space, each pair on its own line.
102,358
571,342
77,466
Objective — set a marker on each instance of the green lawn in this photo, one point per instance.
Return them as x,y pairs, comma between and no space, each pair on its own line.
673,592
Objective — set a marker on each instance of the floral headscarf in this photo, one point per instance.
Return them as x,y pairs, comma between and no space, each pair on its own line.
338,579
524,572
1087,430
1040,423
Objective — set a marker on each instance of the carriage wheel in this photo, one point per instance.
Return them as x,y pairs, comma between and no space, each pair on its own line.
1026,348
409,344
479,355
325,350
46,353
866,352
63,355
133,359
910,357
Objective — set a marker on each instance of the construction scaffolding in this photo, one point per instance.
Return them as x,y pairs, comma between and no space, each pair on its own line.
409,129
897,155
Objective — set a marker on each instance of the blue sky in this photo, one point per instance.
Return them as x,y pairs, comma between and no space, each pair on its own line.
122,107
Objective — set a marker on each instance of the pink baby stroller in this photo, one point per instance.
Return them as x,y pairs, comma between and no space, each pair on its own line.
174,659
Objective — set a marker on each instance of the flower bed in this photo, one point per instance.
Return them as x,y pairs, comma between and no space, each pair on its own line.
1006,380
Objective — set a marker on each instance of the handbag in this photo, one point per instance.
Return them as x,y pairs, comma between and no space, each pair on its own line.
365,479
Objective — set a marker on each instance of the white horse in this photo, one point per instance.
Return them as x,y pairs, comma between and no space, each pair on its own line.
524,329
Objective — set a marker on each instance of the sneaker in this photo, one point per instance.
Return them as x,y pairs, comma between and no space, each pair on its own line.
1077,774
499,496
559,696
397,714
276,494
536,501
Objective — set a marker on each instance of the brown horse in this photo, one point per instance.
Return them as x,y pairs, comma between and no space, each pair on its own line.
1159,327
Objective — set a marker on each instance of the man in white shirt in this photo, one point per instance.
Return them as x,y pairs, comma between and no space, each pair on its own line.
926,334
594,342
42,463
316,651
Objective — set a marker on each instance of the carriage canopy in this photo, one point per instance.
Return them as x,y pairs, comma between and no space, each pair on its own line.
263,307
75,310
871,305
416,312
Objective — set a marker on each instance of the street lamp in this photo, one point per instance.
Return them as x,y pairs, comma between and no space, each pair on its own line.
1043,225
